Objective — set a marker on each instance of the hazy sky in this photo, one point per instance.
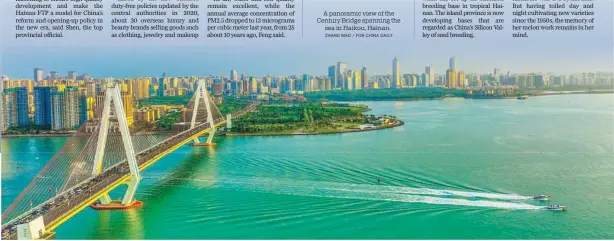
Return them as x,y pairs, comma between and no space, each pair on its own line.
100,56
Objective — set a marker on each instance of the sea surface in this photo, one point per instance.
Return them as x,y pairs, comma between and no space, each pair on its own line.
457,169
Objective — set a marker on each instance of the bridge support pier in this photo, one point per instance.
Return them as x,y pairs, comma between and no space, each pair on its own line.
201,92
113,96
105,199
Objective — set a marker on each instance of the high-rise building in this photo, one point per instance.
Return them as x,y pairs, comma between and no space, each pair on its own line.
72,75
540,81
396,74
327,84
21,95
161,86
53,75
218,87
430,76
90,89
9,104
3,125
253,84
91,104
462,80
341,71
357,80
365,78
497,76
332,75
412,80
174,82
70,102
57,110
348,81
453,64
42,105
305,83
239,87
452,77
246,86
83,110
234,76
38,74
128,107
141,88
374,85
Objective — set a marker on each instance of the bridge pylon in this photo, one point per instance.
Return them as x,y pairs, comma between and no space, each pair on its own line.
201,93
113,99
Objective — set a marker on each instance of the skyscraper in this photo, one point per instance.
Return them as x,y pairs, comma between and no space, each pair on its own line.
453,64
9,103
341,71
452,77
357,80
70,102
253,84
239,88
82,109
430,76
365,78
305,83
396,74
332,75
22,106
38,74
348,81
217,87
462,80
128,107
57,110
497,76
161,86
72,75
42,105
234,76
327,84
53,75
141,88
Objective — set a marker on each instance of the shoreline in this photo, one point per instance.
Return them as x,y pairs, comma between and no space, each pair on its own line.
482,97
37,135
396,124
337,132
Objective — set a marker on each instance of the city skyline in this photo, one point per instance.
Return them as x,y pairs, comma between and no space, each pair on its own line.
438,71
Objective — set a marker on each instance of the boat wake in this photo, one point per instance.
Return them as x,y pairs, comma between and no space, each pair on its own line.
374,192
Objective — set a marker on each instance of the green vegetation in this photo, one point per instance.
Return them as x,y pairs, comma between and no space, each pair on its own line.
31,130
379,94
230,104
303,118
169,119
166,100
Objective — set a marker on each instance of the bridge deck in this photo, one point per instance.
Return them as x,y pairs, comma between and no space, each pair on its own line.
70,202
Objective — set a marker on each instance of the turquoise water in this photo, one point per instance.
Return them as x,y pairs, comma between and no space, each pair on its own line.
457,169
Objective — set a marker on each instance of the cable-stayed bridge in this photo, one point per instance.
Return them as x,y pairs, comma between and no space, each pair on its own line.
102,155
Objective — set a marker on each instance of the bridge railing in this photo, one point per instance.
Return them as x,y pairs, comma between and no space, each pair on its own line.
56,207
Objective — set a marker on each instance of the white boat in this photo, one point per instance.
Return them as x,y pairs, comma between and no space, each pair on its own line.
556,207
541,198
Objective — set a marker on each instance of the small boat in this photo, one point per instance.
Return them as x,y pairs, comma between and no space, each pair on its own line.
556,207
524,97
541,198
